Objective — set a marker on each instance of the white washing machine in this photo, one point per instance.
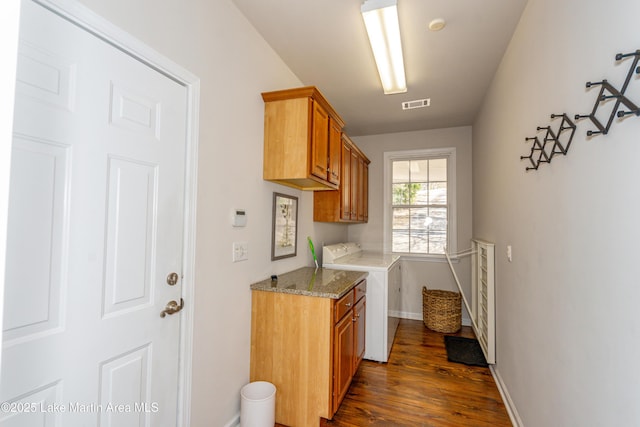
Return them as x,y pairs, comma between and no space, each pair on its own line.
383,292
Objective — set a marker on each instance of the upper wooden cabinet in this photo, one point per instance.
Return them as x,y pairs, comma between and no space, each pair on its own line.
302,135
335,147
350,203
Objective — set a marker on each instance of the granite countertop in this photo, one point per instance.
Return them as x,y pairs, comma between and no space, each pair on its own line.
311,281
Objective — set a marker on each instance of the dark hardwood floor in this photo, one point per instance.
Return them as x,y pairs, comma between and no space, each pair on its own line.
419,387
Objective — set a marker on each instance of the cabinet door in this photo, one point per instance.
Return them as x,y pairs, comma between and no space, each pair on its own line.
345,188
360,314
335,151
355,183
360,192
365,192
319,142
343,355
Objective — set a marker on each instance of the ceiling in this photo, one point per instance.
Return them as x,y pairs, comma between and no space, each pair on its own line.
324,42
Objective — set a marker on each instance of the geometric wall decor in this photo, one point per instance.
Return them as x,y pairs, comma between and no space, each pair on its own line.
609,97
553,143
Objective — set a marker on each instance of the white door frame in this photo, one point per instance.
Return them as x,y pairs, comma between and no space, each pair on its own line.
103,29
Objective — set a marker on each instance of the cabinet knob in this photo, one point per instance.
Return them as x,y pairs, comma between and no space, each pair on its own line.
348,304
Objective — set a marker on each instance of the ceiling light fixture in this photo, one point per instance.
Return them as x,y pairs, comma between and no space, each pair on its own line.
381,19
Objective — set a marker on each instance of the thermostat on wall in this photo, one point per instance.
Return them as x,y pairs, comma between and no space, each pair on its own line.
239,218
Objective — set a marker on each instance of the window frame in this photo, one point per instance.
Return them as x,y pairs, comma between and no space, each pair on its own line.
449,153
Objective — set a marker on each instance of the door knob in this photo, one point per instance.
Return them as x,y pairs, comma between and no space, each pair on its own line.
172,308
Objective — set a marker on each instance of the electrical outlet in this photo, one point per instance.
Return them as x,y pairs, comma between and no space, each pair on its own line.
240,251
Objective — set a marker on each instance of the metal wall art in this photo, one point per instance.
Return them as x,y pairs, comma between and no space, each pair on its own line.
557,140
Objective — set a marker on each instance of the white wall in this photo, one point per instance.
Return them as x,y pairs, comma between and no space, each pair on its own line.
215,42
568,328
416,274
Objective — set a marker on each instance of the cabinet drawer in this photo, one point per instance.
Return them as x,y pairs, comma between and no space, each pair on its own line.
343,305
360,290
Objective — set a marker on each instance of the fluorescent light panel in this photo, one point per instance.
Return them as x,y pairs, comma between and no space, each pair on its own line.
381,20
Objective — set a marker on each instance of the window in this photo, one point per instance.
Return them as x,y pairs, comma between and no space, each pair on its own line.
420,189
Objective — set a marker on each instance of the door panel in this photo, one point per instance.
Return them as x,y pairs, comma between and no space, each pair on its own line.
132,111
125,379
96,224
343,358
360,189
360,331
355,184
320,142
45,76
347,183
36,239
131,234
335,151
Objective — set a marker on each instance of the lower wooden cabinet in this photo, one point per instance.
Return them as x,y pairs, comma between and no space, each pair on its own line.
309,348
344,355
349,342
360,312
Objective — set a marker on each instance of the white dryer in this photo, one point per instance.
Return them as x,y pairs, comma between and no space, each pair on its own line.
383,292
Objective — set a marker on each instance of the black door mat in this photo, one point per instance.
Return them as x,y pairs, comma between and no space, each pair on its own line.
464,350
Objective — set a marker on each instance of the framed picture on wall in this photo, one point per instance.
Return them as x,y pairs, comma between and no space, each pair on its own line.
284,235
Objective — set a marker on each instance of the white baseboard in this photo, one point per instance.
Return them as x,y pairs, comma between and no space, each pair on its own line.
235,421
418,316
506,398
405,315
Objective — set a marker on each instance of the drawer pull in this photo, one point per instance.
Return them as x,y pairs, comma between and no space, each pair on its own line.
348,304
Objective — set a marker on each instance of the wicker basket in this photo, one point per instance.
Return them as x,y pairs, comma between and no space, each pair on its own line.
441,310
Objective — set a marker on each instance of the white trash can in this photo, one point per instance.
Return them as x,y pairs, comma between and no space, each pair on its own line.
258,405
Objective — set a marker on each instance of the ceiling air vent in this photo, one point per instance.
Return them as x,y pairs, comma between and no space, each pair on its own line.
418,103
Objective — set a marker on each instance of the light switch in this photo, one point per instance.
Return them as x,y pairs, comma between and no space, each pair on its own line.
240,251
509,255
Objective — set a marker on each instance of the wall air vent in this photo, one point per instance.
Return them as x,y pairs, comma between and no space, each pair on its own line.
418,103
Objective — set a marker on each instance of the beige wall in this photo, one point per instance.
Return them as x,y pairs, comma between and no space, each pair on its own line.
416,274
568,330
214,41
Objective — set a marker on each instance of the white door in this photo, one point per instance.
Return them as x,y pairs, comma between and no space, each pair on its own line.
95,227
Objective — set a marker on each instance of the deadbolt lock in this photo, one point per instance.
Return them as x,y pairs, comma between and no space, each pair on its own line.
172,279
